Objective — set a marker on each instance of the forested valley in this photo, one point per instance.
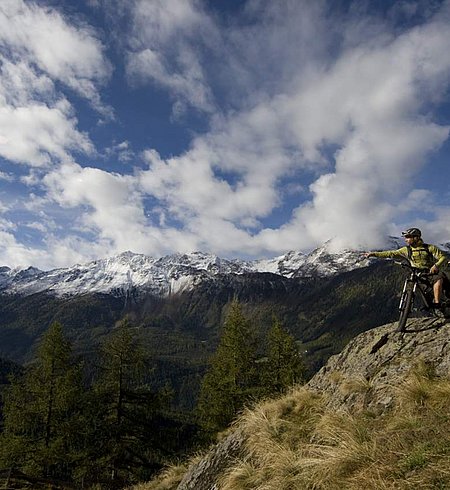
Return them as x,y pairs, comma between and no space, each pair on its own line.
98,406
71,423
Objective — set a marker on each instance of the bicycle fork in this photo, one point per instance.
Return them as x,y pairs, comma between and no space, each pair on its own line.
403,297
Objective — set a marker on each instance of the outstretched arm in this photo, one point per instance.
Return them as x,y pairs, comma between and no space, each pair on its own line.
401,253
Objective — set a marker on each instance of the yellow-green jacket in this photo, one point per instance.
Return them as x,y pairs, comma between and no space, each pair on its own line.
419,257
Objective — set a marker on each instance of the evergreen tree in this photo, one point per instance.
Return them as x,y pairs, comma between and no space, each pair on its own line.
41,412
284,365
231,379
127,415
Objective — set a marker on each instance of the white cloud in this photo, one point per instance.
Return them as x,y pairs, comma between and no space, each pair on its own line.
359,125
165,47
14,253
4,207
41,36
7,177
122,150
39,48
109,204
372,103
56,252
37,134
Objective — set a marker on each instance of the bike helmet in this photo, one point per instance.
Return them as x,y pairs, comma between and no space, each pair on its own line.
412,232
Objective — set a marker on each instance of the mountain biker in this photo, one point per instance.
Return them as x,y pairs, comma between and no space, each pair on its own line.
422,256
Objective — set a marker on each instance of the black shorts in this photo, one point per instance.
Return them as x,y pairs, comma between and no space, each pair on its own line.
439,275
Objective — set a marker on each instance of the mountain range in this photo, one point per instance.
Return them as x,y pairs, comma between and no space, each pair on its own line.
177,304
165,276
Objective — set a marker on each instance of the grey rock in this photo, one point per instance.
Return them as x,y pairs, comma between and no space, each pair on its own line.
364,377
203,475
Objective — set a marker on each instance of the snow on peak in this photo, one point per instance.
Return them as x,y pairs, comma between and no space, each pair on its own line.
129,272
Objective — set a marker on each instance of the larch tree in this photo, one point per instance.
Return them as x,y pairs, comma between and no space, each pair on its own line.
127,428
41,412
231,380
284,365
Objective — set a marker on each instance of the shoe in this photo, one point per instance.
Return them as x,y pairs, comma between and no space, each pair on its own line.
436,306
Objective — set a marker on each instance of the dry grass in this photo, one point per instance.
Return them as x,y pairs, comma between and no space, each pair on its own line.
168,479
356,385
294,442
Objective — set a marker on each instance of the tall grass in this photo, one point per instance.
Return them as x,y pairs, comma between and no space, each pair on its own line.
168,479
295,442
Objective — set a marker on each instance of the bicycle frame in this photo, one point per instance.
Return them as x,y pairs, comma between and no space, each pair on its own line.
416,285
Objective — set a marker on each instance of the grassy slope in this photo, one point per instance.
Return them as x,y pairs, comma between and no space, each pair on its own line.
293,443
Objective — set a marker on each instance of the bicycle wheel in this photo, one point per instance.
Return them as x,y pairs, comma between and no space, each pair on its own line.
405,309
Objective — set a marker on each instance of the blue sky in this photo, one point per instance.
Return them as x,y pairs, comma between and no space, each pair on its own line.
245,128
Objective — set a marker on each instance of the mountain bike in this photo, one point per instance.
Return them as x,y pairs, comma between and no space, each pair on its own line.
418,285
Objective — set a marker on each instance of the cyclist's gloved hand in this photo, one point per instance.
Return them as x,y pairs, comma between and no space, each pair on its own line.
434,270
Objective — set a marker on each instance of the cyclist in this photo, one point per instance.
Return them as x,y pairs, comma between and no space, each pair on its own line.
422,256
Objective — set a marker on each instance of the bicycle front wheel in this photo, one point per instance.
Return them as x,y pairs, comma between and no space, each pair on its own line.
405,308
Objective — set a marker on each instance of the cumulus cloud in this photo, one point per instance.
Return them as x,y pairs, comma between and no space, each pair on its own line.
165,47
37,134
55,252
42,37
7,177
373,103
38,48
109,204
348,121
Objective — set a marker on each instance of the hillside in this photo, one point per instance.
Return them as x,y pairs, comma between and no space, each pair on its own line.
376,416
7,368
181,331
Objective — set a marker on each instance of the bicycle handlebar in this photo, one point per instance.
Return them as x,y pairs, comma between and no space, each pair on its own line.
422,272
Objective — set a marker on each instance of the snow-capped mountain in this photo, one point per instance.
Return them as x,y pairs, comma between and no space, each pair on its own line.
167,275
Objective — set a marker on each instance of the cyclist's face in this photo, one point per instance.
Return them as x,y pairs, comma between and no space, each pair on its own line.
410,240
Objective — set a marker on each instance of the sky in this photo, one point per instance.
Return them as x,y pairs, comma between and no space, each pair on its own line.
243,128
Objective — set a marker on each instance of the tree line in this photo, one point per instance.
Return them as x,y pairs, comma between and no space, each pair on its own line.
106,426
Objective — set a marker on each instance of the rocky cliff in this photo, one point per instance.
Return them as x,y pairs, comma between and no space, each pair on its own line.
377,383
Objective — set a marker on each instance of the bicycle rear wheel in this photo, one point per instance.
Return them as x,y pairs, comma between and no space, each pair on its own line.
405,308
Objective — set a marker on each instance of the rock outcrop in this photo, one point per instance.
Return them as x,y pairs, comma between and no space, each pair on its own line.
378,361
365,375
203,475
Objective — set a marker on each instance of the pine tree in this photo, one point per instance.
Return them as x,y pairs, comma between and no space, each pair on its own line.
231,379
127,411
284,365
41,412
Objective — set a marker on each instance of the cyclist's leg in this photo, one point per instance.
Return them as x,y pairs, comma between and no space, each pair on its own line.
438,286
437,290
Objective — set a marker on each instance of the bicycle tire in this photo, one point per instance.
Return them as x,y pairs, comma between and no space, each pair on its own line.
405,310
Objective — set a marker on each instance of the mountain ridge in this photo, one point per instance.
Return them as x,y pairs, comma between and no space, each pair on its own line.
131,273
126,272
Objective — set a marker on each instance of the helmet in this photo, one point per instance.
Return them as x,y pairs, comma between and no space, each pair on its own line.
410,232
